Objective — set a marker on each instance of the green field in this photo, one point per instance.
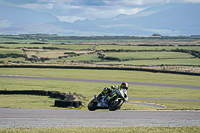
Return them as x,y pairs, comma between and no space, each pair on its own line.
10,59
192,129
89,89
118,75
156,62
183,52
100,47
74,46
21,45
58,55
9,51
59,46
132,47
81,58
137,58
147,55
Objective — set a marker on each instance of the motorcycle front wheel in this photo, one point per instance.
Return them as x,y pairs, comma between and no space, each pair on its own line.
115,105
92,106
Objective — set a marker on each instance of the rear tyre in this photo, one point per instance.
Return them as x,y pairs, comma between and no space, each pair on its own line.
92,106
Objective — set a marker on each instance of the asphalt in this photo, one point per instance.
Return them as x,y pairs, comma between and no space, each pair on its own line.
103,81
53,118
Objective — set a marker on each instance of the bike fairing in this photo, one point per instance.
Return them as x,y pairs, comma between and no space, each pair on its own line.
124,86
112,99
124,90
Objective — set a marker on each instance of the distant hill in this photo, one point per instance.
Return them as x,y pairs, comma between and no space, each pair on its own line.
168,20
22,16
184,19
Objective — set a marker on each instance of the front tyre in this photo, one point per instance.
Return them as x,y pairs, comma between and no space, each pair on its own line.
92,106
115,105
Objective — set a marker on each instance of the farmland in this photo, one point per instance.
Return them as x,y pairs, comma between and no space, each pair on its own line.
162,53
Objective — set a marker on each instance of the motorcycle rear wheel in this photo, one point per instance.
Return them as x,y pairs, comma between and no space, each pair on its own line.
92,106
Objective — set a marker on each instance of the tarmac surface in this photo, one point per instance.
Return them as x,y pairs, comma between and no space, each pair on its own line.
54,118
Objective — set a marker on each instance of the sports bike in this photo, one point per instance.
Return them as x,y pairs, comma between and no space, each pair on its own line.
111,101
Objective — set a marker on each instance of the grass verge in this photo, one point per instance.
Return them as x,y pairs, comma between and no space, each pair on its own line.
116,75
42,102
173,105
88,90
190,129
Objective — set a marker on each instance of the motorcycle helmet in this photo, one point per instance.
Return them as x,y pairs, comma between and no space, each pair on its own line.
124,85
105,90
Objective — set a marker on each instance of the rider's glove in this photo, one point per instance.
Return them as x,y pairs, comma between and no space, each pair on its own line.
113,87
99,97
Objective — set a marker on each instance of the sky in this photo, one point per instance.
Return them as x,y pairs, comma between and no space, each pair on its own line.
73,10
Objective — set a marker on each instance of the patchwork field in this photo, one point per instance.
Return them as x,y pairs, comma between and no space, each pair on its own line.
168,53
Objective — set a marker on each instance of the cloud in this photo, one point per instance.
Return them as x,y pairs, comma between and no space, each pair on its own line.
117,25
55,1
192,1
129,3
90,2
16,2
37,6
130,11
72,10
5,23
70,19
184,1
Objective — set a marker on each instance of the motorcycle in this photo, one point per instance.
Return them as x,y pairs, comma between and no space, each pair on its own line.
111,101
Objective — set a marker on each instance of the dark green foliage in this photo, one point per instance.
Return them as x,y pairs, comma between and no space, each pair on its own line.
192,52
52,48
112,58
69,53
12,55
156,34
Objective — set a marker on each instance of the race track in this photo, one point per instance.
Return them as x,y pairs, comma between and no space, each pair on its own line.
48,118
103,81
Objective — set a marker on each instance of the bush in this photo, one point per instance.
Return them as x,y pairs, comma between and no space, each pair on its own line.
155,34
112,58
69,53
3,56
12,55
2,62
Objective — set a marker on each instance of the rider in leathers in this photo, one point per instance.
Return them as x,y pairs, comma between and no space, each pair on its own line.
124,86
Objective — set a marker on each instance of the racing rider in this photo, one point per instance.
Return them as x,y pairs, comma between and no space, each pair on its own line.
124,86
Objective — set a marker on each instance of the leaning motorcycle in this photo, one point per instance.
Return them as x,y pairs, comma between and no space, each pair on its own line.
111,101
